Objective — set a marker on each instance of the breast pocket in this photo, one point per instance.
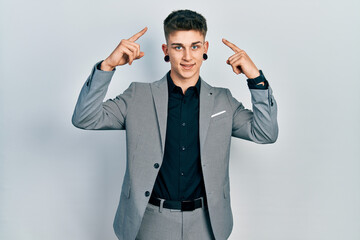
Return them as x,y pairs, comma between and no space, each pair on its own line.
219,117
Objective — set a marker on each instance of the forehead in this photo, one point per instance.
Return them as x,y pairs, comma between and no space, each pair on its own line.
185,36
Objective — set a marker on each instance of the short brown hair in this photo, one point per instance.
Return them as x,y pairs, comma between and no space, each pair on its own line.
184,20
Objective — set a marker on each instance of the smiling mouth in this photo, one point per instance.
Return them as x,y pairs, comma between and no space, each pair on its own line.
187,66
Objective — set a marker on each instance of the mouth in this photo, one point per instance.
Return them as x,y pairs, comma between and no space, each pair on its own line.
187,66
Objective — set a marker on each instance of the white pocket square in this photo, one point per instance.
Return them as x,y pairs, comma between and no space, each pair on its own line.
215,114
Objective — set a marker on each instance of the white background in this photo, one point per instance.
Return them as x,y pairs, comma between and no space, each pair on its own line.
59,182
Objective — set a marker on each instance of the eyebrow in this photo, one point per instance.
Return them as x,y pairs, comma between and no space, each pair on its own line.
180,44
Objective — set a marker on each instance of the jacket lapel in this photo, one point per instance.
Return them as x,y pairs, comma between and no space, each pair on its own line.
206,108
160,95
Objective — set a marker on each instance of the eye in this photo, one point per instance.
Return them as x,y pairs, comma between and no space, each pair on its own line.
194,47
178,47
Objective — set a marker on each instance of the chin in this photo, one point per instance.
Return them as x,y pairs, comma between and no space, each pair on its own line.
185,74
188,74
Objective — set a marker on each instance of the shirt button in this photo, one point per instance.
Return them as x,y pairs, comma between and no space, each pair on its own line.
183,124
156,165
183,148
182,174
147,193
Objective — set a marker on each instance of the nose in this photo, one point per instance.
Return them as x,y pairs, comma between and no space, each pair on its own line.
187,55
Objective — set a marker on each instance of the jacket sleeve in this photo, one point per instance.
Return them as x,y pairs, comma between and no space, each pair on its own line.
259,125
92,113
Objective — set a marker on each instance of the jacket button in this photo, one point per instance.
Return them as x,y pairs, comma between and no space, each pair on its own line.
147,193
156,165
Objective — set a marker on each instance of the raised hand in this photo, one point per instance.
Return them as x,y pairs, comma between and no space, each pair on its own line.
126,52
241,62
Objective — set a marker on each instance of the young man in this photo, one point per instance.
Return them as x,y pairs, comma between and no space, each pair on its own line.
178,133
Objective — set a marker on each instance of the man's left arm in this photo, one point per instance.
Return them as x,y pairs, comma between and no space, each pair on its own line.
259,125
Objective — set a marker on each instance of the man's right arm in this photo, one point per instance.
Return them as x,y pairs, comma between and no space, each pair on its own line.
90,110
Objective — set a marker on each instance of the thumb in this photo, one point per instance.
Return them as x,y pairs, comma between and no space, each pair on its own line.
140,55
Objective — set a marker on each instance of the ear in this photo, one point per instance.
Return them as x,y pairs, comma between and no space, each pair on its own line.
165,49
206,46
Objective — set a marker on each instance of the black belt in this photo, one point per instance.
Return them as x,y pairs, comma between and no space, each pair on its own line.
180,205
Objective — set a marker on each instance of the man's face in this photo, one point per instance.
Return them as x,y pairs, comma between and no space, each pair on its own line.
185,49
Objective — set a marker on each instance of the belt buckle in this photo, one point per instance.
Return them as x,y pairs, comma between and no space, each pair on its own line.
187,206
175,210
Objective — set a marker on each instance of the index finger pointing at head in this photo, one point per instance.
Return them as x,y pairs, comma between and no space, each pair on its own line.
231,45
138,35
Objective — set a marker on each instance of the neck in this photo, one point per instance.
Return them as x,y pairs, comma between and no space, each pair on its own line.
184,83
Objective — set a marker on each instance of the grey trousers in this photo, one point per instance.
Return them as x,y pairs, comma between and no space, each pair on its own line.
167,224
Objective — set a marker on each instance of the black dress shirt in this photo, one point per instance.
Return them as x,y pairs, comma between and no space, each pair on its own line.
180,176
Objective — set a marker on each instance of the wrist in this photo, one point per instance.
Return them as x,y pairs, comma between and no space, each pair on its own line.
254,75
105,66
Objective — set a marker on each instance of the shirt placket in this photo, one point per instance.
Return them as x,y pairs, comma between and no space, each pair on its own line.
183,146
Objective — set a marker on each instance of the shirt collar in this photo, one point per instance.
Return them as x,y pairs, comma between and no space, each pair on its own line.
171,84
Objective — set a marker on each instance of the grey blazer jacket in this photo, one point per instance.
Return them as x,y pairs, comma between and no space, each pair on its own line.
141,110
